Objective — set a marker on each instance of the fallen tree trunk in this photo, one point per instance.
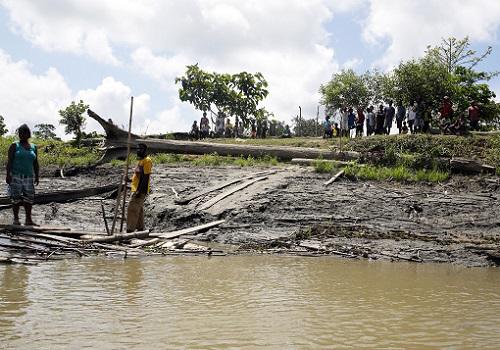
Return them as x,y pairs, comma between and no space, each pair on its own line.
64,196
309,162
116,140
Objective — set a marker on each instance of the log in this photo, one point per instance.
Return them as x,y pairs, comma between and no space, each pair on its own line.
115,238
187,231
334,178
116,140
215,188
470,166
229,192
63,196
310,162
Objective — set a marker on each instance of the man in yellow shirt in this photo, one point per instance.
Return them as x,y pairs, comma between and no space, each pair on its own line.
139,190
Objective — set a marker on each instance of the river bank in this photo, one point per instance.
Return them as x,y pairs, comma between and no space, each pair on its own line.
291,211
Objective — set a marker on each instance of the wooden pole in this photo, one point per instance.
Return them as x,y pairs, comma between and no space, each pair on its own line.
117,206
127,163
123,186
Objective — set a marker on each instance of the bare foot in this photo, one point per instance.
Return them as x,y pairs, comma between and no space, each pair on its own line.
16,223
30,223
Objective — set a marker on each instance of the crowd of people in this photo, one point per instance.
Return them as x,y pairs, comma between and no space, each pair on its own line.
224,128
415,118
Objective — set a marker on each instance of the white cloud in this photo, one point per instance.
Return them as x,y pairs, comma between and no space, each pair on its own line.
286,40
352,63
29,98
409,26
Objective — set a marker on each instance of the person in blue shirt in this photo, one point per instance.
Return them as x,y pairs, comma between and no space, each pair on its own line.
351,121
22,174
327,127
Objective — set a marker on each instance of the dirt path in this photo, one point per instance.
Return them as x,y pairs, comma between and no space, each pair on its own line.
291,211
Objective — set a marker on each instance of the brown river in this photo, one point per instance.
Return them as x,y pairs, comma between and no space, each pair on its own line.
247,302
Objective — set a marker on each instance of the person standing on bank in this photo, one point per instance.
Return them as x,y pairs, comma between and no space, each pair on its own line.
22,174
139,190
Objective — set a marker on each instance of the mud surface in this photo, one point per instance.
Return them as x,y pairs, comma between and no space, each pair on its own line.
292,212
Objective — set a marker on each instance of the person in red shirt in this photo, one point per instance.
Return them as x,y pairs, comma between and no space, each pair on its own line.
446,108
474,116
360,121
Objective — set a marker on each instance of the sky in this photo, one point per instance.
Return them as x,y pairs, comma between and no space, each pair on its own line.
103,52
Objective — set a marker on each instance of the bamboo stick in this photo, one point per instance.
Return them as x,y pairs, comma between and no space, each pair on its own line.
129,137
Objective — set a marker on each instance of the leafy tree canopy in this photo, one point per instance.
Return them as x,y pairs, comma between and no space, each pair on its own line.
237,94
45,131
449,69
74,119
3,127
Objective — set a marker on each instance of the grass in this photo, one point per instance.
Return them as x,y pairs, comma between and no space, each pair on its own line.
55,153
399,173
322,167
214,160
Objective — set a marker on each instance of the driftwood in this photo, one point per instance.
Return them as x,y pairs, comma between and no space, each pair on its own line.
334,178
116,140
115,238
64,196
470,166
309,162
229,192
187,231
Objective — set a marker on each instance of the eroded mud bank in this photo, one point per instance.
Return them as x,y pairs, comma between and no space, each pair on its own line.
292,212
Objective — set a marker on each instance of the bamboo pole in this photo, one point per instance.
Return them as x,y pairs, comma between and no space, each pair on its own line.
123,186
127,163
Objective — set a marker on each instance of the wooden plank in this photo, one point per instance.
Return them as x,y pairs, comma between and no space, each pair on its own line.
216,188
115,238
229,192
310,162
334,178
187,231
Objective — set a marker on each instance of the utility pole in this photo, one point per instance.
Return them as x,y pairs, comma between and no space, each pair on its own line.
300,121
317,121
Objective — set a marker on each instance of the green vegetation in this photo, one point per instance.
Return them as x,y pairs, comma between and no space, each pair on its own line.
399,173
322,167
72,116
235,94
54,153
449,69
214,160
424,151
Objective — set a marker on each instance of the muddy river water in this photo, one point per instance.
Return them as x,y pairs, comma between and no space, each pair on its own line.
247,302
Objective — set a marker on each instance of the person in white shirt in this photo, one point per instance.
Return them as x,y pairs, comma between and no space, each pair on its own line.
412,115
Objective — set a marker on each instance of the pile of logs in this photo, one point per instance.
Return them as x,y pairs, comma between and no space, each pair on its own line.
34,244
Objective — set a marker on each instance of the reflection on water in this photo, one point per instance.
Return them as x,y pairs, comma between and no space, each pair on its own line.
247,303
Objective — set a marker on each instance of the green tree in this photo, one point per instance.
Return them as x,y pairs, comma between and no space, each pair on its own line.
246,91
45,131
454,53
73,117
345,89
237,95
3,127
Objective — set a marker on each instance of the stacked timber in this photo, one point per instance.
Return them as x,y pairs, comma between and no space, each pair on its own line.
35,244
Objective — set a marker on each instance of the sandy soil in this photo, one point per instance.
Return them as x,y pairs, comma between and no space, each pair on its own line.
293,212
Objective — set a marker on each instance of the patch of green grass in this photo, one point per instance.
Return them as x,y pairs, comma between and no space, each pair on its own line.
399,173
323,167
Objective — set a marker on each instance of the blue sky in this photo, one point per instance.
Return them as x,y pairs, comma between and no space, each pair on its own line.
53,52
